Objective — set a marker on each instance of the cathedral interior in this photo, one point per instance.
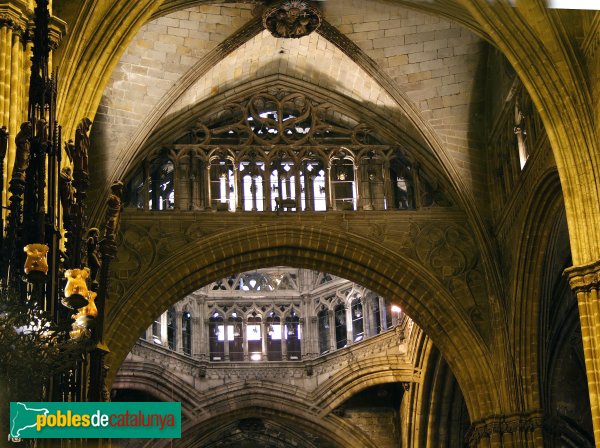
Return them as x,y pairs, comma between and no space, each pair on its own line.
345,223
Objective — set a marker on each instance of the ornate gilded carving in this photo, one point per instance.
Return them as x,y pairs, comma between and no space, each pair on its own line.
36,266
83,318
76,290
292,19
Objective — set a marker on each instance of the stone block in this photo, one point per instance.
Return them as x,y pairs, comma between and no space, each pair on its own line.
419,37
397,60
177,31
422,57
435,45
168,21
366,26
388,42
400,31
447,33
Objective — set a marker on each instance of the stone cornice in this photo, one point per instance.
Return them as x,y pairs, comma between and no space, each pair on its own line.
503,424
18,16
15,14
58,30
584,278
384,344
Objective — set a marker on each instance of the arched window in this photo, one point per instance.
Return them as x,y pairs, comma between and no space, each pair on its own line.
388,315
358,332
156,338
283,184
254,335
171,328
186,332
216,337
401,176
376,313
371,182
342,183
323,321
520,130
253,197
313,192
162,196
293,335
222,184
341,335
135,193
273,337
235,337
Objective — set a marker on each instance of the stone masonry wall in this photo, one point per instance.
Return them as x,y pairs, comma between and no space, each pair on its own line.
379,424
163,50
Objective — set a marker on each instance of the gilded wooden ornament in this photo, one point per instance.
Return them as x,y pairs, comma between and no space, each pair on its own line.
76,291
36,266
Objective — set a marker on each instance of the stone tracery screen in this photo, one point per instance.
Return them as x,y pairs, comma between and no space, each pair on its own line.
281,151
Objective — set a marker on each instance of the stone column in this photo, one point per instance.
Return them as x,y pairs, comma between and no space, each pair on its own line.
266,189
176,184
239,188
349,332
356,190
387,186
367,318
382,314
200,330
265,331
147,182
183,184
245,342
332,339
330,200
284,336
14,56
178,329
16,101
208,196
313,349
297,188
163,330
585,283
226,340
306,322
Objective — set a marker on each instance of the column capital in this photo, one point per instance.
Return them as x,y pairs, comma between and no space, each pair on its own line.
15,14
520,423
57,30
585,277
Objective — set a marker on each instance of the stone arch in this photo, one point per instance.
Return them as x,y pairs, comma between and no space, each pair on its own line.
411,119
544,201
383,121
334,431
537,57
156,380
348,255
358,377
